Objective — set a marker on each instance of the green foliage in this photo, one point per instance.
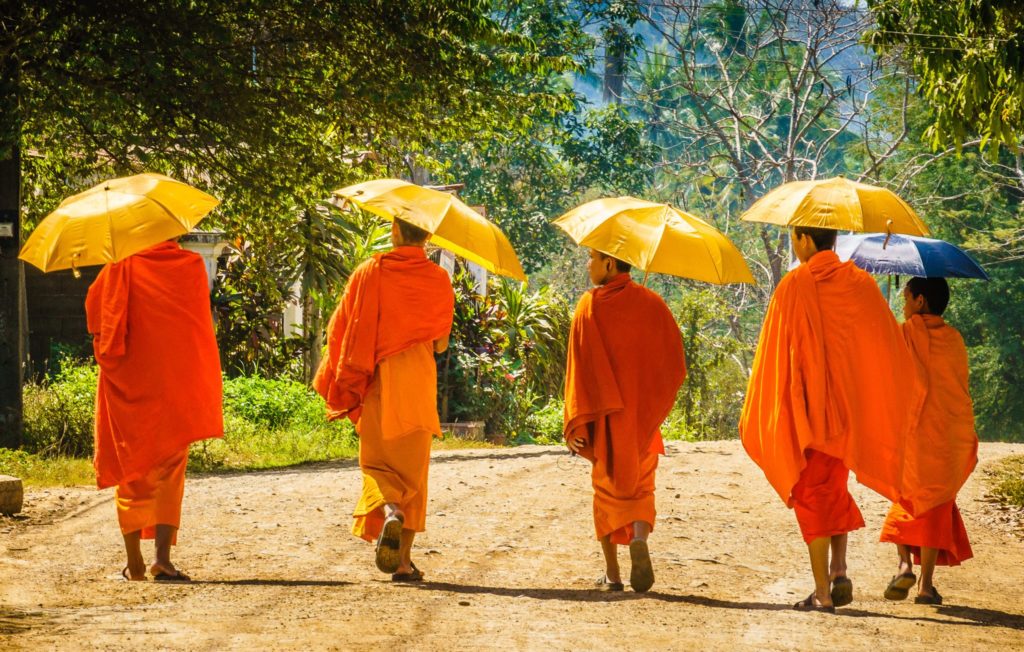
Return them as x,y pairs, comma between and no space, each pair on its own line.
969,57
710,401
36,470
247,445
272,403
507,355
58,412
545,424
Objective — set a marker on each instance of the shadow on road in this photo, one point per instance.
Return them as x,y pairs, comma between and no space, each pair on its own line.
259,582
969,616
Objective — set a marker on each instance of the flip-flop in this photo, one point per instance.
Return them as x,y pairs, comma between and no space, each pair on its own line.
387,555
127,577
899,586
934,598
177,576
810,604
641,575
842,591
607,586
415,576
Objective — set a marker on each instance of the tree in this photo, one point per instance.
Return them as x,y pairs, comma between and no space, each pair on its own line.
266,103
969,58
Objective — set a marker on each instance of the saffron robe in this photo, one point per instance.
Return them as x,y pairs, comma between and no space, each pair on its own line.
380,373
625,365
831,374
943,449
159,383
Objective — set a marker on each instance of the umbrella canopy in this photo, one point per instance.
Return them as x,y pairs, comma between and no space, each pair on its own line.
908,256
454,225
838,204
656,238
114,220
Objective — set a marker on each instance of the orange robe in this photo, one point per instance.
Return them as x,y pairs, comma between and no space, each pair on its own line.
160,381
625,366
831,375
379,372
943,450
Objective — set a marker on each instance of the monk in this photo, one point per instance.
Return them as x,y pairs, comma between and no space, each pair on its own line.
379,372
625,366
942,450
829,393
159,390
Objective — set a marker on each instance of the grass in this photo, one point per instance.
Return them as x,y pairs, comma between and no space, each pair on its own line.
1008,481
38,471
452,443
243,448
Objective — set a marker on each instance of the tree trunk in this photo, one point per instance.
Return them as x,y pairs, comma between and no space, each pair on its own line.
12,311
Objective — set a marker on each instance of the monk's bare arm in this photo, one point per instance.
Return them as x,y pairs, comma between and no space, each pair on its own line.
441,345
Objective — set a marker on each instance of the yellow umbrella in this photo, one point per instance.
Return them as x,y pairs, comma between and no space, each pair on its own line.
838,204
114,220
656,238
454,225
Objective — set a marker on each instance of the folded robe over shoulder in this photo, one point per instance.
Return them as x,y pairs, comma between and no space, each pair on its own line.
625,365
831,374
392,301
942,451
160,381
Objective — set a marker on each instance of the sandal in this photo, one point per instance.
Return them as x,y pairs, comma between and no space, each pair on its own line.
606,586
415,576
177,576
811,604
934,598
899,586
128,578
641,575
387,554
842,591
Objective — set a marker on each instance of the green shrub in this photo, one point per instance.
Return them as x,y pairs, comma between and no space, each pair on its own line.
545,424
250,446
272,403
58,412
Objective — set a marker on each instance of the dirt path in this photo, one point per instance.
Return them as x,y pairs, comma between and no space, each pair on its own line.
509,557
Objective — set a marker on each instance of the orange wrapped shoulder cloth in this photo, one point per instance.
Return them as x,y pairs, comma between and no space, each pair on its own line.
160,380
831,374
625,365
392,301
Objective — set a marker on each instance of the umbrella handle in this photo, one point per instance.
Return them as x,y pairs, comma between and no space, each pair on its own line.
74,267
645,278
888,233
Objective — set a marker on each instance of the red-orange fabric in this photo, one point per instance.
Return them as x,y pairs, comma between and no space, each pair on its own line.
943,449
831,374
941,528
822,500
160,381
625,365
391,302
154,499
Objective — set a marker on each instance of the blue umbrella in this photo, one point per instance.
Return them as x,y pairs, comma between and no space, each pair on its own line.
907,255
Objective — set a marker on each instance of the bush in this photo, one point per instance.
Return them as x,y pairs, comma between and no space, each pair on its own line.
272,403
58,412
269,423
545,424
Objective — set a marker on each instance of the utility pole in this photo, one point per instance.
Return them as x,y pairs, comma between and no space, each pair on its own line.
12,303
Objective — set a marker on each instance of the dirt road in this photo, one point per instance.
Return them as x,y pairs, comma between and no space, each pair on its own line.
509,558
